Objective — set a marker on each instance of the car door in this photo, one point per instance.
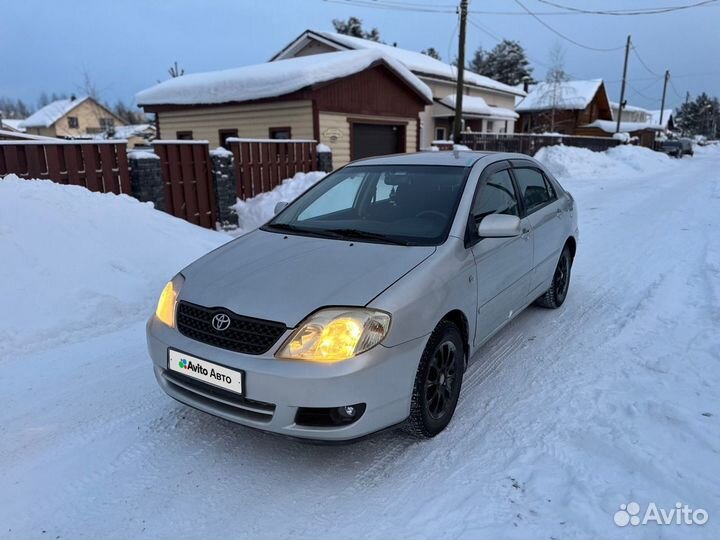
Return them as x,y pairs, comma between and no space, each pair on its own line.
543,212
503,264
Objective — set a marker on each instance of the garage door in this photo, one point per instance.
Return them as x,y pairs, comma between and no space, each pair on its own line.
376,140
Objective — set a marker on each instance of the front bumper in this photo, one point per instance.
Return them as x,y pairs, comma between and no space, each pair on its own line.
381,378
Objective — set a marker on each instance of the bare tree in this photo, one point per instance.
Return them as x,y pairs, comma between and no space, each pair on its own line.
555,78
176,71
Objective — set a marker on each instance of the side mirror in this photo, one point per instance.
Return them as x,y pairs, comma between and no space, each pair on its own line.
280,206
499,226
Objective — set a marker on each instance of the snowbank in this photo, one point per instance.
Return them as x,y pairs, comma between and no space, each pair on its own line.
254,212
623,160
76,262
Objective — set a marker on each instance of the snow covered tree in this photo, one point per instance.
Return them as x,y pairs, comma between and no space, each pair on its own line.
700,116
353,27
432,53
506,62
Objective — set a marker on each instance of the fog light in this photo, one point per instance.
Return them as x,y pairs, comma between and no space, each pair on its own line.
348,411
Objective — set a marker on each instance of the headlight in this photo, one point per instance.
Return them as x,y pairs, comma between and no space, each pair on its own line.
335,334
165,310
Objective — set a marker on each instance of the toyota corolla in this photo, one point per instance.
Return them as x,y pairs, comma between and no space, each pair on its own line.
358,306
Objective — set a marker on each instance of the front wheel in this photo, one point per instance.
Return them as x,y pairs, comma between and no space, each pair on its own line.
437,382
556,294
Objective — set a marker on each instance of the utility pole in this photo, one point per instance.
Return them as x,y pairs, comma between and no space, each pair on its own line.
622,89
662,103
457,124
687,100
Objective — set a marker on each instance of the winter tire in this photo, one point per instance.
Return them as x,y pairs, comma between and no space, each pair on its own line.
437,382
556,294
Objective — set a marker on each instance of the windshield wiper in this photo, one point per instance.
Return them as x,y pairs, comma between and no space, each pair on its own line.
366,235
286,227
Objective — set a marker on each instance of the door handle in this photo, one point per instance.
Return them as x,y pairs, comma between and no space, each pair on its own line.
558,213
525,234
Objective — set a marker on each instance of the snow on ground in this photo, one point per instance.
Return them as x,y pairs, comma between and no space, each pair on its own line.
620,161
256,211
564,414
74,260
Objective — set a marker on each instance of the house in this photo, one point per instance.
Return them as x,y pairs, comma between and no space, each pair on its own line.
360,103
12,124
491,112
668,120
134,134
71,118
644,133
563,107
630,113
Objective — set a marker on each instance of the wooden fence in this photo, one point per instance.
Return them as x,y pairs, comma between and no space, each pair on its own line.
525,143
97,165
186,175
262,164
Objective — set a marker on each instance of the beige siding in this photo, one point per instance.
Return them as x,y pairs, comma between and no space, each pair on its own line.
335,133
88,114
251,121
315,47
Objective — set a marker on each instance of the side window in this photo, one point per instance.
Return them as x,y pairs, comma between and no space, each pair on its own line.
496,196
534,189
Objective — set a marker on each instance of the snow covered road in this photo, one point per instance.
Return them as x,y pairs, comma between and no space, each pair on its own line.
564,415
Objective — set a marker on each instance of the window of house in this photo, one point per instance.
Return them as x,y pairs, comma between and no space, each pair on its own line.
280,133
489,125
497,196
224,135
440,134
184,135
534,188
73,122
106,123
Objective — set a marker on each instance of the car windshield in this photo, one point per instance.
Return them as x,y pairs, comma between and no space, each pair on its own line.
395,204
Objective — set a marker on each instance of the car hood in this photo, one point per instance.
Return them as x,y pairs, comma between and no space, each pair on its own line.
284,278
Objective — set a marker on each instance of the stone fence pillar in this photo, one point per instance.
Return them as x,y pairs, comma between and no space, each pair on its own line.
224,185
146,178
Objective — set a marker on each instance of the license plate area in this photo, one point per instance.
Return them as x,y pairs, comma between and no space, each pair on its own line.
232,380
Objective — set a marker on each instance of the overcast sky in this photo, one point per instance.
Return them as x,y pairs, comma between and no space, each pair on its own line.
128,45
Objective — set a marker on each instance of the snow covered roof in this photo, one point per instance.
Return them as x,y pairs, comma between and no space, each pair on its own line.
272,79
609,126
416,62
51,113
628,108
477,105
569,95
130,130
655,117
12,124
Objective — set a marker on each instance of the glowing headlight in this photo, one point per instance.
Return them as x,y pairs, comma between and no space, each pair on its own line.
165,310
335,334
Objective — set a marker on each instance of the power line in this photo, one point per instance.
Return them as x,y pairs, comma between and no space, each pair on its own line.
563,36
637,54
625,12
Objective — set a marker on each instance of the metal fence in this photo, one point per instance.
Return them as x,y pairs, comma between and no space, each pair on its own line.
97,165
186,176
261,164
529,144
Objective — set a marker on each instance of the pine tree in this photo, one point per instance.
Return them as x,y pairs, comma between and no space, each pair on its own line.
700,116
353,27
432,53
506,63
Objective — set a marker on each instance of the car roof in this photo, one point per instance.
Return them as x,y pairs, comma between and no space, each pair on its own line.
452,158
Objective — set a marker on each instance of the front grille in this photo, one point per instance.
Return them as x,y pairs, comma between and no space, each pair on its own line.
244,335
215,397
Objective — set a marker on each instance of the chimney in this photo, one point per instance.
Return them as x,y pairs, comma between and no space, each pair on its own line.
526,84
72,97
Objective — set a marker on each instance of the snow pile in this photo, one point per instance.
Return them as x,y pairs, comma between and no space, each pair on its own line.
142,154
76,262
272,79
623,160
256,211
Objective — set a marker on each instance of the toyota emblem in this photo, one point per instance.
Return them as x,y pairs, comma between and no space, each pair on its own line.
221,322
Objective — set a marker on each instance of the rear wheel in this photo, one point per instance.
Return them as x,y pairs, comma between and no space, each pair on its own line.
556,294
437,382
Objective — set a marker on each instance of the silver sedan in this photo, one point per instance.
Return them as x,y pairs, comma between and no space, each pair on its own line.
357,307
